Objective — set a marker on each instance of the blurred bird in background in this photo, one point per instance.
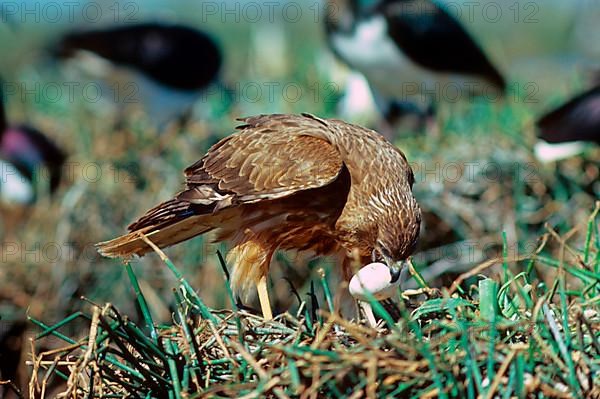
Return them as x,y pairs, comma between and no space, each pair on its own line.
290,182
405,48
415,53
564,131
30,165
165,67
494,73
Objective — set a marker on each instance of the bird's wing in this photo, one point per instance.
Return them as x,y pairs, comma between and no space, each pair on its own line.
578,119
271,157
434,39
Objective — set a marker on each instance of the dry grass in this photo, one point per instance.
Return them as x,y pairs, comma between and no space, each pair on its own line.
514,336
498,206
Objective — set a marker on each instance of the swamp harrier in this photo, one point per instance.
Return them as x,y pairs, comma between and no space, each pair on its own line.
290,182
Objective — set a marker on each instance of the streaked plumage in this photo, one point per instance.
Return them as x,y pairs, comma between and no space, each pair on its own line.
290,182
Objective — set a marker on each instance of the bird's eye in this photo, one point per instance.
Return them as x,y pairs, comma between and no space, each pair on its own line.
384,251
376,255
381,253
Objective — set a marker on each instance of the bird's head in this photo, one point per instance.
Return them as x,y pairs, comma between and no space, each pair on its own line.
397,238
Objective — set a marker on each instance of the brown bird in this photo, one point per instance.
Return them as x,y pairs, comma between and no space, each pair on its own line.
290,182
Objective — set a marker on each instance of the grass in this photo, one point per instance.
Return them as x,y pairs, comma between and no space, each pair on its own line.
514,336
509,241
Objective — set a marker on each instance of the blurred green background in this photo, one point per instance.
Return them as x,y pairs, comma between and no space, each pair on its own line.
476,176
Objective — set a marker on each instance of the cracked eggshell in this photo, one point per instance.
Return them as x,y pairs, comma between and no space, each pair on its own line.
374,278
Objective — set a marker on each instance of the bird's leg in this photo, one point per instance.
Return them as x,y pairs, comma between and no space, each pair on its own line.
263,297
368,313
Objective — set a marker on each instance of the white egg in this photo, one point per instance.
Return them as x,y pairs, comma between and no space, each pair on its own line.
374,278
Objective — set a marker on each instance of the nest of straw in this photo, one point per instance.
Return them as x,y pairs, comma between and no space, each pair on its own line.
508,336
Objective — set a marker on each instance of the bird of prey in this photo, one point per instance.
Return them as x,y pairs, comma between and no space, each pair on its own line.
24,154
290,182
564,131
172,64
405,48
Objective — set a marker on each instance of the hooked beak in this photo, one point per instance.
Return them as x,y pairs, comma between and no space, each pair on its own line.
395,271
395,268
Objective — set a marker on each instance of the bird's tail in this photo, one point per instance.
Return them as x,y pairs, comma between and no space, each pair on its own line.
167,224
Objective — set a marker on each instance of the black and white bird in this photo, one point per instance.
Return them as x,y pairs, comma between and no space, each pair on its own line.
165,67
409,51
426,51
564,131
30,164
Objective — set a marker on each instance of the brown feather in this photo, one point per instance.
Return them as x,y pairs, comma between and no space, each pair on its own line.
289,182
173,233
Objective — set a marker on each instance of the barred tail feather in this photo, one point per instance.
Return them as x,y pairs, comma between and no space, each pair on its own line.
132,243
167,224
